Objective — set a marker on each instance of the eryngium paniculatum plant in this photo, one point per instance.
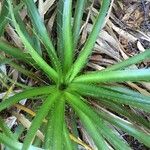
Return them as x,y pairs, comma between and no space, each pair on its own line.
86,98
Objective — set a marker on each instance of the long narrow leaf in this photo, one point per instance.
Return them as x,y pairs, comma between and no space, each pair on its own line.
60,48
101,92
127,113
87,49
39,60
97,122
130,61
10,142
68,143
115,76
13,144
37,121
92,130
126,126
33,40
89,126
26,94
3,16
42,33
80,4
6,130
54,135
67,34
15,52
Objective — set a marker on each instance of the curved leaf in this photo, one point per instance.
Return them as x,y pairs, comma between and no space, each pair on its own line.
101,126
26,94
115,76
54,133
39,60
80,4
87,49
142,102
37,121
42,33
67,34
130,61
126,126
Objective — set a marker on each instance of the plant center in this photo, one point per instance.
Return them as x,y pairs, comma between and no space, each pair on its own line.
62,86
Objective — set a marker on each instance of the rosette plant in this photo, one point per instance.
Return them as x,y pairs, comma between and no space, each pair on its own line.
93,100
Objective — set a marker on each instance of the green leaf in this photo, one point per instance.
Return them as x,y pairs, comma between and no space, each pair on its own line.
98,92
26,94
37,121
92,130
42,33
68,143
88,124
10,142
130,61
6,77
60,48
67,34
126,112
6,130
13,144
73,125
79,9
25,72
19,130
39,60
126,126
33,40
54,133
4,60
103,128
87,49
15,52
3,16
115,76
113,137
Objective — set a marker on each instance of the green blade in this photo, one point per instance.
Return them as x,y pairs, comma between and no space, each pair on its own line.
15,52
130,61
42,33
54,133
115,76
79,9
87,49
92,130
126,112
13,144
38,120
33,40
126,126
68,143
73,125
39,60
25,72
10,142
26,94
102,126
30,74
88,124
3,16
6,130
60,48
67,34
142,102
